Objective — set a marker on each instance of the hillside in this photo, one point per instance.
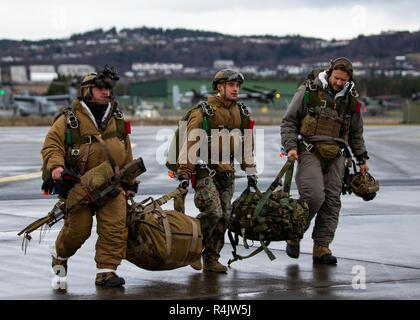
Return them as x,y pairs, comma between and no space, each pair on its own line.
200,48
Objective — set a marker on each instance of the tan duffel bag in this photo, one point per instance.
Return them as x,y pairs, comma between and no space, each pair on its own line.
162,239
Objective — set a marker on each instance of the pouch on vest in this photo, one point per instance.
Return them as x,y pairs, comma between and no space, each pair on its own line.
309,124
328,150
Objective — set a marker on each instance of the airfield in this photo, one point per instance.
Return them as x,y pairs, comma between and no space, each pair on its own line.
376,242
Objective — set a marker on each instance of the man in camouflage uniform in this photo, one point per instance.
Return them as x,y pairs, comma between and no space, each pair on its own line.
322,118
97,121
214,178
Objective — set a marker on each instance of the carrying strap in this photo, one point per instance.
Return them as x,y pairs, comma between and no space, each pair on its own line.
287,168
237,257
178,192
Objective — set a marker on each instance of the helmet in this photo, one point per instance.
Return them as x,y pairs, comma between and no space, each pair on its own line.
226,75
342,63
105,78
364,186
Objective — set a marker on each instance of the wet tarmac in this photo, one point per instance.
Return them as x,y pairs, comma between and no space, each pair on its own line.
376,242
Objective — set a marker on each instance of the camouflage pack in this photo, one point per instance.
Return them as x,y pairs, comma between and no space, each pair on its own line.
269,216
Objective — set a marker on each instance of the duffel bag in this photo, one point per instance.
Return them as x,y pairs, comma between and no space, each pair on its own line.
162,239
269,216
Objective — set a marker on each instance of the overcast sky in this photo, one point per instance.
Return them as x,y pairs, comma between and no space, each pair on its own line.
59,19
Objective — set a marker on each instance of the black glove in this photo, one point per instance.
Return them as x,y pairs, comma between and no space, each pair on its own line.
48,186
68,179
252,181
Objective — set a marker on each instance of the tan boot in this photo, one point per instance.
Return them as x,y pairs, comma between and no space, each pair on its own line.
323,255
60,271
58,264
215,266
197,265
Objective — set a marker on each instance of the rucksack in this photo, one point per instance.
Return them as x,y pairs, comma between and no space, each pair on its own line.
269,216
162,239
208,114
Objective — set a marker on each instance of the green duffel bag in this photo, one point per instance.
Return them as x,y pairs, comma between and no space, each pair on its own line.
269,216
162,239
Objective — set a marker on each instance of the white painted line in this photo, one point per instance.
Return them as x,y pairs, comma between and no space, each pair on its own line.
21,177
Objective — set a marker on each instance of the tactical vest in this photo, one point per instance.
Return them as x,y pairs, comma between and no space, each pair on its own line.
208,124
326,116
74,140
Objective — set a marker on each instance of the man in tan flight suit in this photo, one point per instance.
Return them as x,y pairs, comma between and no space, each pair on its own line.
100,136
215,175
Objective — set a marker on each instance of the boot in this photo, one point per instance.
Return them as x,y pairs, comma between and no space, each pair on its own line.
196,265
215,266
323,255
293,248
109,279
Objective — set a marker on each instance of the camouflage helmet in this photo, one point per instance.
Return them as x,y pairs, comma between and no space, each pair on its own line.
364,186
105,78
226,75
341,63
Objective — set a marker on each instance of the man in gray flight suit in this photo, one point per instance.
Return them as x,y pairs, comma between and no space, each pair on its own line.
322,118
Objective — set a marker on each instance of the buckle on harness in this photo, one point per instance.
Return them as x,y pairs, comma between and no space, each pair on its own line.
204,165
89,139
118,114
72,120
308,146
75,152
310,83
207,109
244,109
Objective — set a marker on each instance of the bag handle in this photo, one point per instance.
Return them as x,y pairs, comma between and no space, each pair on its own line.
178,195
286,169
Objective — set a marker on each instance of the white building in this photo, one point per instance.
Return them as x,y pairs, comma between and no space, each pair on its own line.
157,67
74,70
42,73
18,74
223,64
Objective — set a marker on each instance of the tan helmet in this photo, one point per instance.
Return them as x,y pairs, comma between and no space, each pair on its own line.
364,186
87,83
226,75
105,78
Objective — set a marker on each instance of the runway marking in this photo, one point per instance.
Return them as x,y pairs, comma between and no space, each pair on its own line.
393,139
22,177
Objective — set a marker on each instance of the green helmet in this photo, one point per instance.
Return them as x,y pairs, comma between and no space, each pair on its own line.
106,78
226,75
364,186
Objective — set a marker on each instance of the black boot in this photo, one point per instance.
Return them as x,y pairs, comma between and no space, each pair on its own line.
323,255
109,279
327,259
293,249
